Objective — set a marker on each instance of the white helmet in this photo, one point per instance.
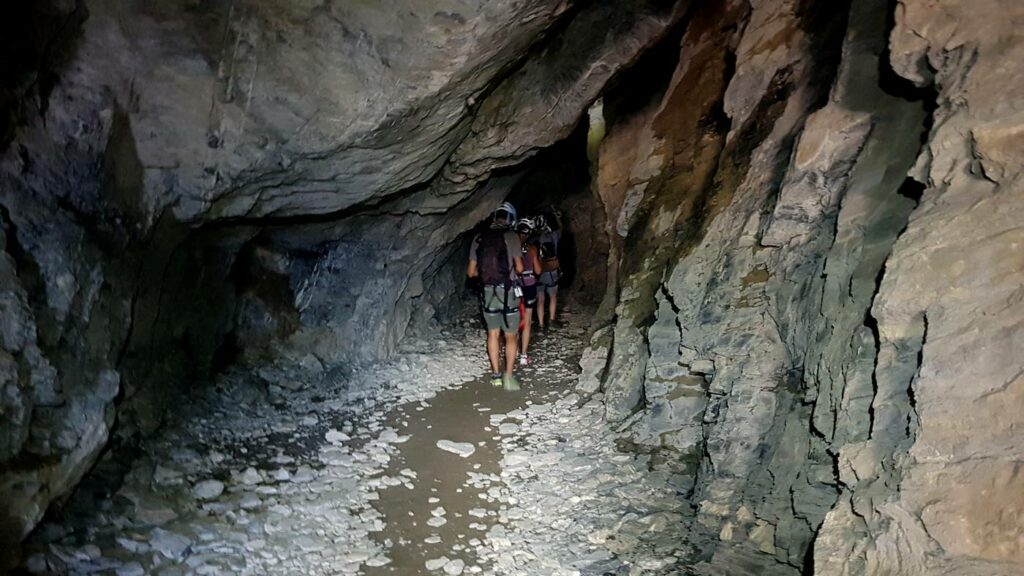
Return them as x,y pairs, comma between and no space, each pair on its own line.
507,208
525,226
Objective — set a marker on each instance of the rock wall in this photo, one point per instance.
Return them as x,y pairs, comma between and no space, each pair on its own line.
936,484
813,285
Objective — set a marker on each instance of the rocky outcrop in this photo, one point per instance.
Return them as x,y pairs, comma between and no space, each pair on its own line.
715,378
935,485
786,259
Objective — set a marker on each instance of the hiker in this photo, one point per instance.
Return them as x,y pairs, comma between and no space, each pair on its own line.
547,288
531,262
495,257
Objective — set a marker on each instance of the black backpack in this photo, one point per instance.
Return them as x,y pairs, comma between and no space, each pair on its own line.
492,258
548,248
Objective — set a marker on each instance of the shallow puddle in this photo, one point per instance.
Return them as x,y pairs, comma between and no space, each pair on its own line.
459,415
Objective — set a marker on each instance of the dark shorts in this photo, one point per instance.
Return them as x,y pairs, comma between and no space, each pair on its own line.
530,296
549,281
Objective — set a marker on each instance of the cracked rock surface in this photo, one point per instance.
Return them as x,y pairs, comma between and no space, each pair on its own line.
814,348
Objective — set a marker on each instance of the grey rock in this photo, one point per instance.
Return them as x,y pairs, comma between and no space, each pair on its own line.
777,288
436,563
454,567
169,544
623,385
130,569
703,367
163,476
463,449
593,361
208,489
249,477
302,475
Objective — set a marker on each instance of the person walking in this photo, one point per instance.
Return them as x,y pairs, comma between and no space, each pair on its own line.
547,290
495,257
532,269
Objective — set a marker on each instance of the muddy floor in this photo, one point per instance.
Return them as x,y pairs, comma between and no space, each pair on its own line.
443,478
414,466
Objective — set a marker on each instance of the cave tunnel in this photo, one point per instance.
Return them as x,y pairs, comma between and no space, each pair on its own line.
238,336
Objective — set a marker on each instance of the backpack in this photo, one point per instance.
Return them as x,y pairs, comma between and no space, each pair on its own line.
492,258
548,248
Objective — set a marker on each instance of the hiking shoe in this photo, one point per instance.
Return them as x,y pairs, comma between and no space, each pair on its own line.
510,382
496,380
524,360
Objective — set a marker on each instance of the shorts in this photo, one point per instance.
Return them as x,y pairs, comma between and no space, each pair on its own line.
501,309
548,281
530,296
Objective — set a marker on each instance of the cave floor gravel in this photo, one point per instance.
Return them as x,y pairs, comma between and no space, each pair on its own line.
298,469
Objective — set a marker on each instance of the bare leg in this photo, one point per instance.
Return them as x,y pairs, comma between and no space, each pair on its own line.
493,350
527,324
553,299
540,306
510,352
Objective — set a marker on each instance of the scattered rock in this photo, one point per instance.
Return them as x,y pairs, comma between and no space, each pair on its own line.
463,449
170,544
208,489
454,567
163,476
436,563
133,546
249,477
336,437
130,569
303,475
437,521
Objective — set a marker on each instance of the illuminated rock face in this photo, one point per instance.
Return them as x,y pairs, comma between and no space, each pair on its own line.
813,309
809,212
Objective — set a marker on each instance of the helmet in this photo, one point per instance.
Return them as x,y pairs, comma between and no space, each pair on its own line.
508,209
525,226
540,222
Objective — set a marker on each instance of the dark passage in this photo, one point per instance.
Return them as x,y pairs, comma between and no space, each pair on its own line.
559,179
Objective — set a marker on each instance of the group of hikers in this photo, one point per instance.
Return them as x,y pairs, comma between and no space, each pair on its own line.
515,264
